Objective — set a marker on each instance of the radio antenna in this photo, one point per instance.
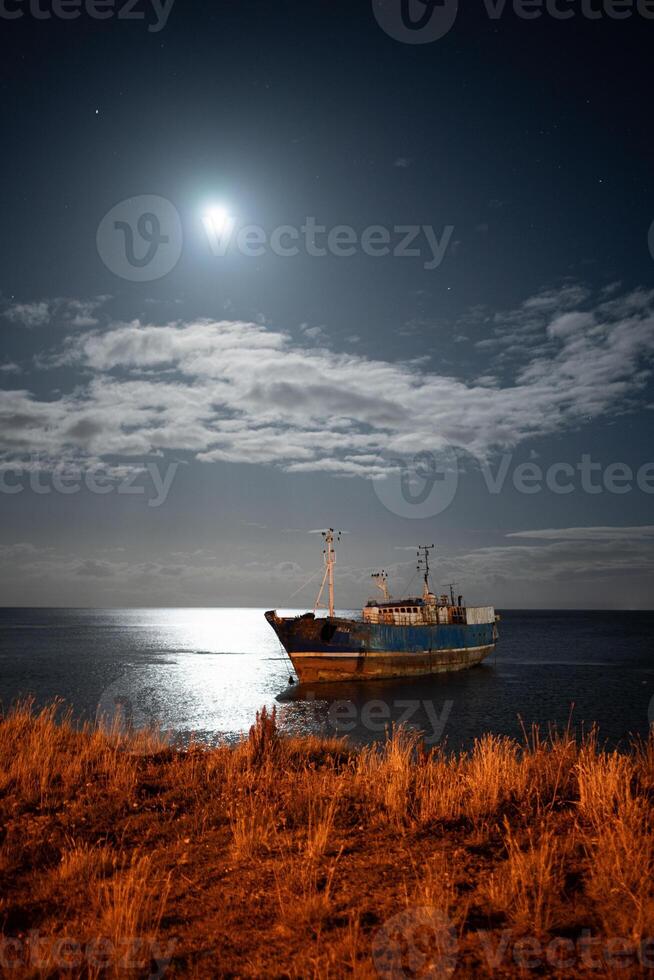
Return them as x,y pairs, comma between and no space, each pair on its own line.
381,581
423,566
452,586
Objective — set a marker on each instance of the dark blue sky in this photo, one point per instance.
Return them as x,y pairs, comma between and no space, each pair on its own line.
255,398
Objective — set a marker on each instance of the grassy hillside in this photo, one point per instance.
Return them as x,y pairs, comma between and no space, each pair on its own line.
297,857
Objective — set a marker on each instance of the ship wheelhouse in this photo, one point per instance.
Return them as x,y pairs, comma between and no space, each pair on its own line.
429,610
425,610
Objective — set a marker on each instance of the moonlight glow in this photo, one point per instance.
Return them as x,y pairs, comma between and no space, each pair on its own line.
218,223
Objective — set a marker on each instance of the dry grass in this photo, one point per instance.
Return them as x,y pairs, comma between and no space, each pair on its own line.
86,863
290,857
252,822
527,885
132,902
620,856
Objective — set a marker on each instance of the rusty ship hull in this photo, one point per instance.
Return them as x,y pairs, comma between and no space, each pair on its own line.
335,648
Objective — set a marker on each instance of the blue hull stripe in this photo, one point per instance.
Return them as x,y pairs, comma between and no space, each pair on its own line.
361,637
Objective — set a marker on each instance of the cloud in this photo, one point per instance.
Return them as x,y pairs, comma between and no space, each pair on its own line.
95,569
577,569
644,533
28,314
65,578
61,311
313,333
568,324
562,560
607,567
241,392
16,552
566,297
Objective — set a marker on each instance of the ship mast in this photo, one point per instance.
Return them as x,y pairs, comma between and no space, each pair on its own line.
423,565
329,558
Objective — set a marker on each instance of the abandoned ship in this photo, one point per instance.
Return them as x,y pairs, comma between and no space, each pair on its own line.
412,636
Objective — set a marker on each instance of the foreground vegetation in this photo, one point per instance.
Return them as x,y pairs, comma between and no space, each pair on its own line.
304,857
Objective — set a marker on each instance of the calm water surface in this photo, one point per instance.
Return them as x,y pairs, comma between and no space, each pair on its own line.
207,671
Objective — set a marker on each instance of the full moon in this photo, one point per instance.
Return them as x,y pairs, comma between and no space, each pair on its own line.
217,221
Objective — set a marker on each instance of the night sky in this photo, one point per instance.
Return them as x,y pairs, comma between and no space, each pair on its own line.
170,435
